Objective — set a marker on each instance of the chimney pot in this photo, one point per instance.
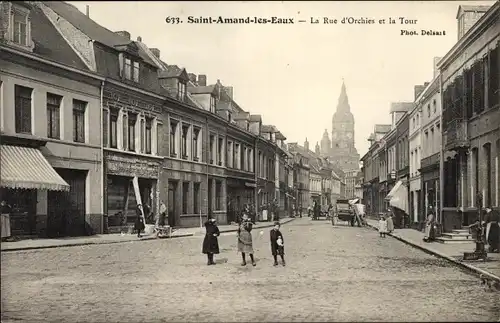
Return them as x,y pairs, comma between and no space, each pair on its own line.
139,38
192,77
124,34
202,80
155,52
87,10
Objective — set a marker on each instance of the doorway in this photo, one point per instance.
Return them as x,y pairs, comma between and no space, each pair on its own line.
172,210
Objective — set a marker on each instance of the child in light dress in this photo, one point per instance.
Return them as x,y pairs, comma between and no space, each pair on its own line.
382,227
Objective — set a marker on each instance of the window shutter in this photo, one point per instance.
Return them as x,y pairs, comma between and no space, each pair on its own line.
125,131
105,116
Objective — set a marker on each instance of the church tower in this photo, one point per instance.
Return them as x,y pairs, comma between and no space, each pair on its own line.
344,153
326,144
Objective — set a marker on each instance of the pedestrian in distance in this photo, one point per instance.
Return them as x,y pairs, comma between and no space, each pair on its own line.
277,244
492,229
245,243
430,232
139,221
210,242
382,227
390,222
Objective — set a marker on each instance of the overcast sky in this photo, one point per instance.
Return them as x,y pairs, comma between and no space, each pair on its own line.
292,74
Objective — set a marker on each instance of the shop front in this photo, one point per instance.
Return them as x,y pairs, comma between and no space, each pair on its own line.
240,193
130,181
27,180
398,200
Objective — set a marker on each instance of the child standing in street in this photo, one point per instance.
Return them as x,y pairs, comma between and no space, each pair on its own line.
382,227
277,244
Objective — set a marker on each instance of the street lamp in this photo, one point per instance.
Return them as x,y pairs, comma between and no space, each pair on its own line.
480,252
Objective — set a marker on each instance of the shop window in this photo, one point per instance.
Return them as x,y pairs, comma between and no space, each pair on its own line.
79,108
23,109
53,113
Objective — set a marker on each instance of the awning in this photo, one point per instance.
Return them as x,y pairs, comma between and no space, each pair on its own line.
394,189
23,167
399,198
353,201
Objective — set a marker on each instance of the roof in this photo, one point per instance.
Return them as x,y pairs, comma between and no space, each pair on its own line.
201,89
92,29
171,71
280,136
401,106
268,128
382,128
50,44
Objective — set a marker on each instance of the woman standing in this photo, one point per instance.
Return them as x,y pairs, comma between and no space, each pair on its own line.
429,226
492,230
390,222
211,243
245,244
139,221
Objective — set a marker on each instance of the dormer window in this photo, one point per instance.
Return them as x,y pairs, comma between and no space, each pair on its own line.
19,27
131,70
212,103
181,90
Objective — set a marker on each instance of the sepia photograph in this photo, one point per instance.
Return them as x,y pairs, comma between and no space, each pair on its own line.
250,161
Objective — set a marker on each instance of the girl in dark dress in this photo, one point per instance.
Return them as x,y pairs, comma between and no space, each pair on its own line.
277,244
211,243
139,221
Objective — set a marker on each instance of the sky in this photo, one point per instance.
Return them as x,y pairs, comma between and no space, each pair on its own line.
291,74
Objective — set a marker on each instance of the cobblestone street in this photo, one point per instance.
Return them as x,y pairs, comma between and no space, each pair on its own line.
332,274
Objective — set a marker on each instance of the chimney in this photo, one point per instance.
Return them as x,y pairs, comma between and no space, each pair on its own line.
202,80
124,34
436,69
467,16
192,77
155,52
87,10
418,90
229,91
139,39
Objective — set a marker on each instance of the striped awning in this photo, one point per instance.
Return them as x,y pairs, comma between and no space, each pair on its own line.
27,168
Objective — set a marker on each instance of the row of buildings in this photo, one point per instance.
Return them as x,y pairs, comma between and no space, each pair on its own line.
94,123
442,149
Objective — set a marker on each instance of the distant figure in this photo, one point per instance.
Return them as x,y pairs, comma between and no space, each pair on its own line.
5,208
382,227
163,214
277,244
492,229
390,222
211,243
429,226
139,221
245,243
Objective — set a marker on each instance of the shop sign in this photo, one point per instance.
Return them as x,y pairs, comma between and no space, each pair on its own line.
132,167
125,101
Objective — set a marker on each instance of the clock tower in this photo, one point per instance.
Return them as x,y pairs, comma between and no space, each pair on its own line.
343,152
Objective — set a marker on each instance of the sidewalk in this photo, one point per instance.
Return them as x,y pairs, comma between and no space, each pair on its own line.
450,252
116,238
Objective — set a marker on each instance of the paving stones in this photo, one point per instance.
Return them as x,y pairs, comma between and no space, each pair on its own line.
331,275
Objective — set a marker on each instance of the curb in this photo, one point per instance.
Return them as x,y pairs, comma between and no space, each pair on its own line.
271,224
138,240
433,252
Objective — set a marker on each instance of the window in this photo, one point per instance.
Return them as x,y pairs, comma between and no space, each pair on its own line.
242,158
53,112
113,125
131,70
196,198
181,90
23,109
218,195
79,108
173,146
220,154
185,130
212,104
148,135
20,28
212,149
196,133
229,155
434,105
428,110
185,197
132,120
143,135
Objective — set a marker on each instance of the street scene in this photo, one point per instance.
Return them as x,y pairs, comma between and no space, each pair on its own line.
332,274
242,161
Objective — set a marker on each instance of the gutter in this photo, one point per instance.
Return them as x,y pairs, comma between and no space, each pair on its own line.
103,176
441,155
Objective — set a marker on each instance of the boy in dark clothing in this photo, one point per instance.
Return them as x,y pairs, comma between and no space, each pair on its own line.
277,244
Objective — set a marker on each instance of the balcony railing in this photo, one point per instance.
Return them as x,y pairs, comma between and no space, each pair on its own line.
455,136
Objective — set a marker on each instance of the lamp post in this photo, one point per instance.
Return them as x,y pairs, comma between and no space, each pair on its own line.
480,252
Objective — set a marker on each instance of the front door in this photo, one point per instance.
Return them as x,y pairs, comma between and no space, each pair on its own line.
172,188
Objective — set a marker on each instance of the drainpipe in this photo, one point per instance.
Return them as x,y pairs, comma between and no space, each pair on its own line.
256,194
103,176
441,156
207,160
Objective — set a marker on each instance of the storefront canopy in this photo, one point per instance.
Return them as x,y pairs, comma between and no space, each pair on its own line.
398,197
353,201
27,168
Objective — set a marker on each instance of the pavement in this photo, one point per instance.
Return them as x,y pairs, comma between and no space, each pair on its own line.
341,273
29,244
451,252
